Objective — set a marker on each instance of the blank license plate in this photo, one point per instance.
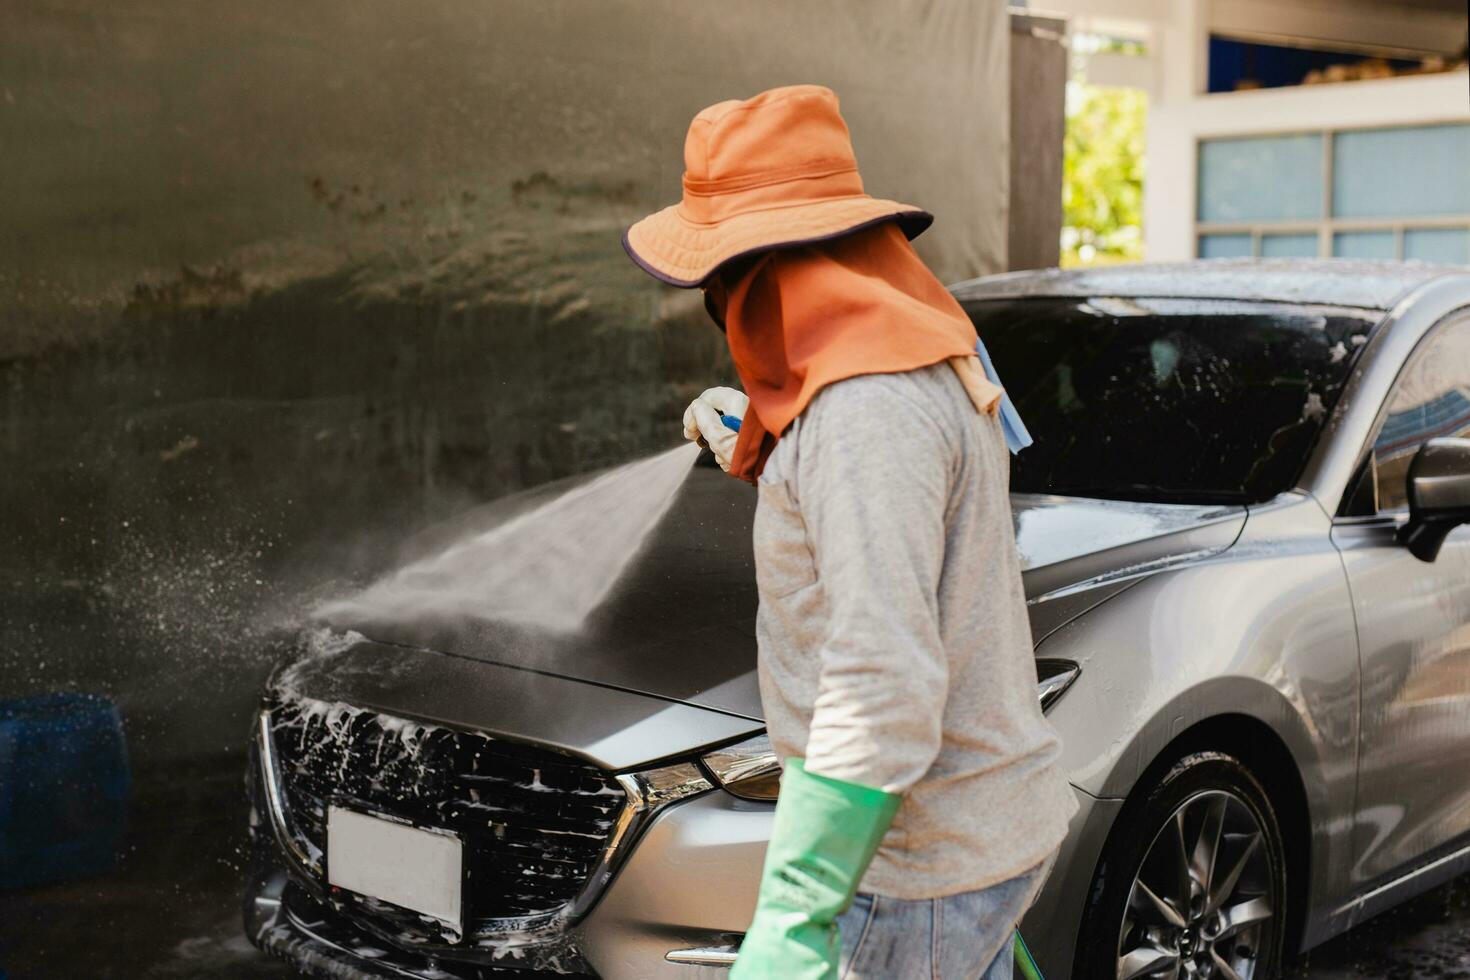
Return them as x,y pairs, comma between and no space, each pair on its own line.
414,868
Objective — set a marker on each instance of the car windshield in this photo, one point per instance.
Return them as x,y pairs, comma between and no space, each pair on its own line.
1168,399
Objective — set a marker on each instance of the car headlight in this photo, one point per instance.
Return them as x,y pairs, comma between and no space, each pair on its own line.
747,769
652,788
1053,677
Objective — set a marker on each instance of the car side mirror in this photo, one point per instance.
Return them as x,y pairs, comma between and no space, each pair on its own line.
1439,495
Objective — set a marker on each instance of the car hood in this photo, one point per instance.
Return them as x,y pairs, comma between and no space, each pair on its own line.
679,623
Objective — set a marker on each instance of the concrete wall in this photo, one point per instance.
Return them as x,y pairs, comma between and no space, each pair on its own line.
281,282
1038,123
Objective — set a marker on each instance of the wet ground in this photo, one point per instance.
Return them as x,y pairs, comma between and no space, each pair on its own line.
1425,939
171,909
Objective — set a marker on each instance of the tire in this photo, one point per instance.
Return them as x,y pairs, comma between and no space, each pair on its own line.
1229,927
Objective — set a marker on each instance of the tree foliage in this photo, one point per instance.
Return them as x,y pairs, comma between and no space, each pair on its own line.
1102,175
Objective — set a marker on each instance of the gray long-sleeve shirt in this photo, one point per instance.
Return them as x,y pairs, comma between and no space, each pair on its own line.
895,649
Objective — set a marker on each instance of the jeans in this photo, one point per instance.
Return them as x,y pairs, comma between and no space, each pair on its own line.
959,937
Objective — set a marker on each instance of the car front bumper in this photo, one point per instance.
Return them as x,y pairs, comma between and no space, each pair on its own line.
676,908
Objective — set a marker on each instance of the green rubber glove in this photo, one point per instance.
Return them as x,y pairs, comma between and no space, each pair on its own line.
824,837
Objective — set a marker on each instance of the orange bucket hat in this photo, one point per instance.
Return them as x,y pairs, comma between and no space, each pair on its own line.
774,171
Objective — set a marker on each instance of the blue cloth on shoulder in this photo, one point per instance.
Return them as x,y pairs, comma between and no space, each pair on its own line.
1017,438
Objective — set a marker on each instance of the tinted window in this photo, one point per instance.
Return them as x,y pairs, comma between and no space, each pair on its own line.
1173,400
1430,399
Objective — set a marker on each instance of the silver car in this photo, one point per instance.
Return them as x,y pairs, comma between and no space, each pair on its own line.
1250,599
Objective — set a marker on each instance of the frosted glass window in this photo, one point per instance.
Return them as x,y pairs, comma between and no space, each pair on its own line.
1438,244
1363,245
1224,246
1269,178
1378,173
1288,246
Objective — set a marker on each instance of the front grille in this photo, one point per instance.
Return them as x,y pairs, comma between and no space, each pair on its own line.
535,823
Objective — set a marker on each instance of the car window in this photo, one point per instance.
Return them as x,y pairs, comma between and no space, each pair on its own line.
1431,398
1168,400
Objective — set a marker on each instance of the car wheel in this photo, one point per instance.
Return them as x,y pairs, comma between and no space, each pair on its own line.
1192,881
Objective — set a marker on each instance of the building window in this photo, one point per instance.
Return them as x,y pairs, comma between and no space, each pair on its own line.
1411,171
1265,178
1394,193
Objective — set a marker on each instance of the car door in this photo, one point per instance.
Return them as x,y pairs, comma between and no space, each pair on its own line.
1413,623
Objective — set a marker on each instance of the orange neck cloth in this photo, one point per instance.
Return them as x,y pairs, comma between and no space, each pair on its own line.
801,318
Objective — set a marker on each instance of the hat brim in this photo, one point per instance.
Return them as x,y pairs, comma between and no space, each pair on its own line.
681,253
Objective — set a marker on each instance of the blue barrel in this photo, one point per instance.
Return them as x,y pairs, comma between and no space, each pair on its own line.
63,787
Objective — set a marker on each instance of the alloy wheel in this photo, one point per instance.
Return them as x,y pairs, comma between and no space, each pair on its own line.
1203,903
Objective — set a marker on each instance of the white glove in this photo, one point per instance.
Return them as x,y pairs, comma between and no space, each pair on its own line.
702,421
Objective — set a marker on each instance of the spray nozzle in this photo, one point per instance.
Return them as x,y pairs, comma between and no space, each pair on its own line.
731,422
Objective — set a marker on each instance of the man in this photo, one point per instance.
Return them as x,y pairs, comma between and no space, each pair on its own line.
895,654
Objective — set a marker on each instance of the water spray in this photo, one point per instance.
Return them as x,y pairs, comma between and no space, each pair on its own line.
547,568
